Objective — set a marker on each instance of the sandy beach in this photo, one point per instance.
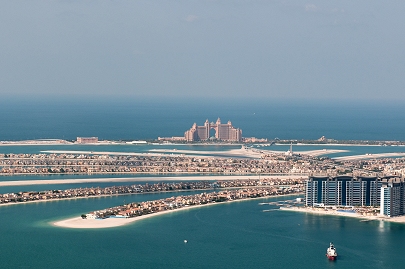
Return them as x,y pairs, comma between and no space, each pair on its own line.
320,152
237,153
138,179
330,212
369,156
243,152
102,153
79,223
240,153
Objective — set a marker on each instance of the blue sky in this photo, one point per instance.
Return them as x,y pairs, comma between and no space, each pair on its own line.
208,48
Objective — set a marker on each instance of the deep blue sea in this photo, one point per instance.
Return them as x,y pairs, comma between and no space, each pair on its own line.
231,235
147,118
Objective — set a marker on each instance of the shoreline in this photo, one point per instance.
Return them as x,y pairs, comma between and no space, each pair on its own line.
331,212
64,142
369,156
79,223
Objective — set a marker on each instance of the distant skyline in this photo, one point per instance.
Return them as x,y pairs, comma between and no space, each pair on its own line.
311,50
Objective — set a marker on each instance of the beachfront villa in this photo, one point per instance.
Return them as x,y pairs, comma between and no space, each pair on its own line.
387,193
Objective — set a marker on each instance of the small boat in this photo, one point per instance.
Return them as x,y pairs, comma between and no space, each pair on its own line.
331,252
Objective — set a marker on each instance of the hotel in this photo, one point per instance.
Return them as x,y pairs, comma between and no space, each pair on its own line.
223,132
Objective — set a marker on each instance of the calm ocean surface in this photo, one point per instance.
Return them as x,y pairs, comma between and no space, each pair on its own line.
231,235
148,119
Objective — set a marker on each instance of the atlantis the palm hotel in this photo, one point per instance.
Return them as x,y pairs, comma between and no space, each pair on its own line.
385,192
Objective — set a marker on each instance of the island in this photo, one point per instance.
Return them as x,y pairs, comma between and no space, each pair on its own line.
128,213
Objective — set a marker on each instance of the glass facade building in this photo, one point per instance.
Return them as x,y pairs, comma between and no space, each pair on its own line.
343,191
392,197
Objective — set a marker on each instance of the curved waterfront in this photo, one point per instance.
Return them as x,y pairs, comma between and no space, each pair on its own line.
127,213
229,235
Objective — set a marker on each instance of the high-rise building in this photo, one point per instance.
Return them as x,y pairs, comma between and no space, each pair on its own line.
392,197
223,132
343,191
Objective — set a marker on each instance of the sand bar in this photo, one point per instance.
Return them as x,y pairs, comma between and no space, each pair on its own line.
101,152
79,223
243,152
240,153
369,156
138,179
251,153
320,152
331,212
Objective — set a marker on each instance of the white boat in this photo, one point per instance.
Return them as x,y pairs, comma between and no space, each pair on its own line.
331,252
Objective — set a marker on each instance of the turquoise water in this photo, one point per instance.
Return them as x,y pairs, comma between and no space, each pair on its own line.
230,235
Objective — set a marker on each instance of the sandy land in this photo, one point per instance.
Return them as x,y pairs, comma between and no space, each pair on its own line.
369,156
320,152
313,153
79,223
246,153
321,211
101,152
332,145
240,153
252,153
138,179
233,152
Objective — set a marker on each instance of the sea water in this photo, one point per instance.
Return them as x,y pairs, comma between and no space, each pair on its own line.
148,118
228,235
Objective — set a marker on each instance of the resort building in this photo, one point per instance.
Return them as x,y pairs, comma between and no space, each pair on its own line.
223,132
343,191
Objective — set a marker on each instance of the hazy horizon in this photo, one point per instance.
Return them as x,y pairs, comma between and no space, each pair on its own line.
213,49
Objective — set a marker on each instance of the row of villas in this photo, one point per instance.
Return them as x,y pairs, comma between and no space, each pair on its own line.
386,193
149,207
88,163
98,191
28,196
